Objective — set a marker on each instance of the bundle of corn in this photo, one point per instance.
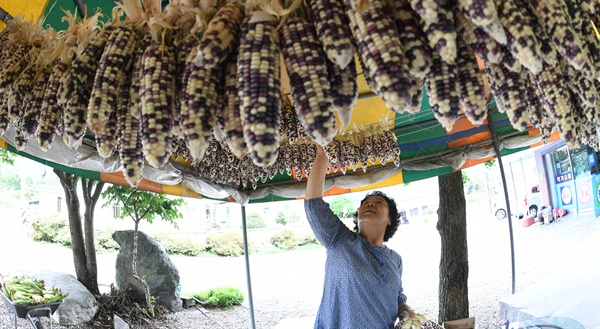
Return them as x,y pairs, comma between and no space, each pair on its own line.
414,41
331,27
70,43
306,66
380,51
441,32
259,85
484,14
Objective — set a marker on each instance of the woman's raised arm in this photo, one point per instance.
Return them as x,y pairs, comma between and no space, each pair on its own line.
316,178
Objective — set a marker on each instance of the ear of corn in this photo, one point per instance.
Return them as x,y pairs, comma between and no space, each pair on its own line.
380,52
441,32
480,42
344,90
584,89
306,65
591,43
51,112
443,91
332,30
129,139
509,61
80,77
13,64
234,130
114,63
4,119
258,86
521,41
427,9
508,86
31,112
533,102
415,44
472,92
19,90
220,37
483,14
573,9
548,53
157,92
136,76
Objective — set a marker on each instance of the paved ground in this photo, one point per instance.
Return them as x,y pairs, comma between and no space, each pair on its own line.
288,285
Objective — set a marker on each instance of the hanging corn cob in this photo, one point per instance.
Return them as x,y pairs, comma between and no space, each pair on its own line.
306,67
258,85
136,75
106,140
584,89
416,95
115,61
17,92
234,130
380,52
32,111
129,139
557,101
220,37
593,46
332,30
549,54
289,121
521,41
199,112
567,41
415,44
483,14
441,32
344,90
443,91
157,91
472,92
480,42
427,9
51,111
509,61
4,119
513,94
533,102
573,9
13,64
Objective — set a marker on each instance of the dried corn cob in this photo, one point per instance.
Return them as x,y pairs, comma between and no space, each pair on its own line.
13,64
344,89
306,66
472,92
157,92
220,37
4,119
234,130
20,138
443,91
584,89
106,141
573,9
31,112
557,101
185,52
549,54
18,90
332,30
289,121
483,14
258,85
51,112
136,74
80,77
427,9
199,114
521,41
441,33
533,102
513,94
509,61
414,41
74,119
567,41
129,140
416,92
480,42
380,51
115,61
589,37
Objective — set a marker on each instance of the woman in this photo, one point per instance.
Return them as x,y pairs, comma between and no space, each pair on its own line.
363,278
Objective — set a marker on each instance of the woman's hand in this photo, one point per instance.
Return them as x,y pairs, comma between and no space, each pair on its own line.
404,308
316,178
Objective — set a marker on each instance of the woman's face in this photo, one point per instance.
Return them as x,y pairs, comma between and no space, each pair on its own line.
374,210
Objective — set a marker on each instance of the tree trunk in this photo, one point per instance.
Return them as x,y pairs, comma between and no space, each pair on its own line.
135,247
90,197
454,264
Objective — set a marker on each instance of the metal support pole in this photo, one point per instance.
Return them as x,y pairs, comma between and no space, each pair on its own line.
5,16
247,258
81,8
506,198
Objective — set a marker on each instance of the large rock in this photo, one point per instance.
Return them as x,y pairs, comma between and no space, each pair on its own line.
153,264
79,307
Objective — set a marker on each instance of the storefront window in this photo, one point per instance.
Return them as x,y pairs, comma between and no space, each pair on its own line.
581,167
560,159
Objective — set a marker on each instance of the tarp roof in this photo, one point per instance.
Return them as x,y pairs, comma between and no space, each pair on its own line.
427,149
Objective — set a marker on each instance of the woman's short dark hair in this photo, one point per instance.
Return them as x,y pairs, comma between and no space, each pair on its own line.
393,211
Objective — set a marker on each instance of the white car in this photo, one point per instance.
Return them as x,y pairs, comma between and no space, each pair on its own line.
529,205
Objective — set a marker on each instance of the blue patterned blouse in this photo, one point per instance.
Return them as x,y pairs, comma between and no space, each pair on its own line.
363,282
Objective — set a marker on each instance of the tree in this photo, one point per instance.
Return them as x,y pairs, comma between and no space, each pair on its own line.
454,265
284,219
138,205
82,236
342,206
253,220
6,157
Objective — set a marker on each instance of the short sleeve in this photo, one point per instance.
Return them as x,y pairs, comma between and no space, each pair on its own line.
326,226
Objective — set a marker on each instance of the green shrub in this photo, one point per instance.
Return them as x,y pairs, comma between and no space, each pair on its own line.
179,244
64,236
47,228
253,220
222,297
226,243
284,219
284,240
306,237
104,240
